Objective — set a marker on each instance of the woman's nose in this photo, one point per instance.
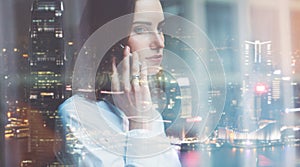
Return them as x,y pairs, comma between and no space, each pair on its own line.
158,41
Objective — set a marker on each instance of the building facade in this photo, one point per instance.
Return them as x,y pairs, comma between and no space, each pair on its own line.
46,83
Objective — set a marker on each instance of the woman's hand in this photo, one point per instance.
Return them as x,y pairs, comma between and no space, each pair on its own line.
135,101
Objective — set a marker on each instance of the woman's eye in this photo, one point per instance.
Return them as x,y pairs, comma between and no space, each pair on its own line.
161,27
140,30
160,30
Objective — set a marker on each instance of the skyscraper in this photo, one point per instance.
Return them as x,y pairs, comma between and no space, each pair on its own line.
261,88
46,87
258,76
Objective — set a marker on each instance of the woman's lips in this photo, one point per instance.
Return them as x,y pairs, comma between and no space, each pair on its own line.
156,58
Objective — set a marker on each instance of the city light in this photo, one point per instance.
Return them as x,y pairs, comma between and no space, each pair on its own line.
70,43
261,88
25,55
69,87
262,77
194,119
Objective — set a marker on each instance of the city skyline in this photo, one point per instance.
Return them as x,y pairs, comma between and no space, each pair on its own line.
266,90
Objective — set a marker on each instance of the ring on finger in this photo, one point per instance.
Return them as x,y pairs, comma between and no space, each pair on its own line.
134,77
143,82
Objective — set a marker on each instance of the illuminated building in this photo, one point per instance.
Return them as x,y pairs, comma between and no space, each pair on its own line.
71,55
232,106
13,110
46,90
257,78
261,90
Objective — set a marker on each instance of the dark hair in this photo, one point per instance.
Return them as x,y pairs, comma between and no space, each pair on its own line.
96,14
99,12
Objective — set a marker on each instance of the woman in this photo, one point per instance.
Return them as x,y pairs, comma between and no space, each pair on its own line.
124,128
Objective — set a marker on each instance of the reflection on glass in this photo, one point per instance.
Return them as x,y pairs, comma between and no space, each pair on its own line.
259,122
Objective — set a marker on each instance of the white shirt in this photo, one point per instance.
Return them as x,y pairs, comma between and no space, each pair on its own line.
98,133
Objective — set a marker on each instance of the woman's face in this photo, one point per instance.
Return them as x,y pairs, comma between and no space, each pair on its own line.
146,37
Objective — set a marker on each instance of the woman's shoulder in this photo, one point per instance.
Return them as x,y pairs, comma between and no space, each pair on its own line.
84,110
72,100
79,102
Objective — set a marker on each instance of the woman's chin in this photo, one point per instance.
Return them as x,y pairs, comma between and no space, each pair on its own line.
153,70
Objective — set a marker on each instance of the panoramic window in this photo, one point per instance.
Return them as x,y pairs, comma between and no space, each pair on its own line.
134,82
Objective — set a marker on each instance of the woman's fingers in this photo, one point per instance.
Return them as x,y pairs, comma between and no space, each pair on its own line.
115,82
133,81
126,70
135,72
135,67
144,86
140,85
144,75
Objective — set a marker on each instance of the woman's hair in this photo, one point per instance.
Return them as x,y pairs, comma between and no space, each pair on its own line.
99,12
96,14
